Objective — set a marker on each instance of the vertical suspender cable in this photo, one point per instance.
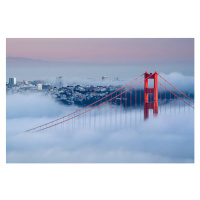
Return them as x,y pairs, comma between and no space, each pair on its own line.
184,104
100,114
90,119
165,97
121,108
111,111
160,98
116,109
125,107
179,102
140,102
130,105
170,100
105,111
94,115
174,103
135,102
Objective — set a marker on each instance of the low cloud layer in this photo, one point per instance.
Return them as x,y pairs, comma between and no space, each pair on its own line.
113,137
181,82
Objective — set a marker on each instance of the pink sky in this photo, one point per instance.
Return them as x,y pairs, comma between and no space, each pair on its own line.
102,50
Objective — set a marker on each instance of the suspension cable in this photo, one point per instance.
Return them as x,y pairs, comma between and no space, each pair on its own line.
175,95
85,106
94,106
175,88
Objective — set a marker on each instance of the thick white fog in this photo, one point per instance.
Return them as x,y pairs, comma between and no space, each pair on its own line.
112,137
180,81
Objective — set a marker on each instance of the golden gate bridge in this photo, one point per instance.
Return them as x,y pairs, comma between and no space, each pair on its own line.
153,97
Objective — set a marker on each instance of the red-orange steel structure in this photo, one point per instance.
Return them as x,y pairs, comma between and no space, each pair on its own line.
149,105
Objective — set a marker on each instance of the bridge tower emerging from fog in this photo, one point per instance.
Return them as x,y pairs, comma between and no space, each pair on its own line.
150,105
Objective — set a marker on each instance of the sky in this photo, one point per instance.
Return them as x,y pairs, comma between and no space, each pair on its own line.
46,58
102,50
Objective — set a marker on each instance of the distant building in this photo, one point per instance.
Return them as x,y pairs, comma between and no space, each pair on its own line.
59,81
104,78
25,82
46,87
12,81
39,86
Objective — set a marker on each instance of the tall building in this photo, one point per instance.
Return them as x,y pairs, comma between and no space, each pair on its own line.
104,78
12,81
59,81
39,86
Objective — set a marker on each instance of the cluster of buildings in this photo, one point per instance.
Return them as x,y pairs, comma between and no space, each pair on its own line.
76,94
82,95
14,86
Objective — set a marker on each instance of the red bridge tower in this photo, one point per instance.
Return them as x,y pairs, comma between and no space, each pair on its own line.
152,105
